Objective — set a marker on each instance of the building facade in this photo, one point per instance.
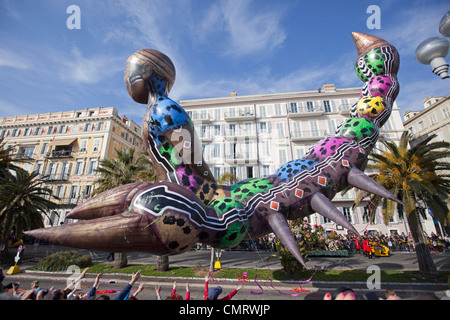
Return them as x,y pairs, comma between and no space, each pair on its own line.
252,136
67,147
434,119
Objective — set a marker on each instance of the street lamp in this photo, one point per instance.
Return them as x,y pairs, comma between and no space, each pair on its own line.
444,25
433,51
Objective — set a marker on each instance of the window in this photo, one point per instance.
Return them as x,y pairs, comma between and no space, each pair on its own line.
86,191
73,193
97,145
232,129
297,129
99,126
232,112
44,148
26,152
65,170
314,124
38,167
78,168
347,213
422,125
433,119
216,150
262,111
326,105
248,111
280,129
446,112
282,156
216,172
51,169
249,172
331,126
263,127
309,106
299,153
265,149
265,170
247,128
294,108
92,166
217,114
204,132
83,145
278,111
217,131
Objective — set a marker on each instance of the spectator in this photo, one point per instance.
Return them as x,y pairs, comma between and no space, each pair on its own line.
213,293
123,295
175,296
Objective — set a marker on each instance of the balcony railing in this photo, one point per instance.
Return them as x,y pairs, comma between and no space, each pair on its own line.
59,154
299,111
239,115
308,135
242,157
56,177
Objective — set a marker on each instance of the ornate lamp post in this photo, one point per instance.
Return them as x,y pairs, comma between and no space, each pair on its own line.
433,50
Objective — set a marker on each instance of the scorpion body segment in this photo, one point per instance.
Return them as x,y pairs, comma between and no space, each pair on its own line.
187,205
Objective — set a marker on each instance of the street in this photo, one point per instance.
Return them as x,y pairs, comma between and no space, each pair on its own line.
253,289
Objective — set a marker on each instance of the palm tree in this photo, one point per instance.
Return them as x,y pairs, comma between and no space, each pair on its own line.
6,164
126,168
418,176
227,178
24,200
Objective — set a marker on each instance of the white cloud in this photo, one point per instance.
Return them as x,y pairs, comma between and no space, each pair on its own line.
13,60
81,70
249,32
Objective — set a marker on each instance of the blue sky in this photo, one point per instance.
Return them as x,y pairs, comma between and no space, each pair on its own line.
217,46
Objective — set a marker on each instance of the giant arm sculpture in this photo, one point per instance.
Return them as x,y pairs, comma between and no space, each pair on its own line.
187,205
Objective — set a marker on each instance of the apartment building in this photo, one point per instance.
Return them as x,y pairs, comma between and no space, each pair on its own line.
67,148
433,119
252,136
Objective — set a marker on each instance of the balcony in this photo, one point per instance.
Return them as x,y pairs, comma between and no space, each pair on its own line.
23,156
300,112
315,135
240,115
57,177
241,158
240,134
59,154
200,118
344,109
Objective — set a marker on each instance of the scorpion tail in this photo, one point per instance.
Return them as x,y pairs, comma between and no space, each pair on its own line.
359,179
322,205
282,230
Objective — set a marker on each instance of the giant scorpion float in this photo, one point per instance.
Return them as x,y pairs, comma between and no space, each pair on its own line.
187,205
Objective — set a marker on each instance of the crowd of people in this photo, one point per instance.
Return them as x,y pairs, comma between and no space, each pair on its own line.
395,242
72,290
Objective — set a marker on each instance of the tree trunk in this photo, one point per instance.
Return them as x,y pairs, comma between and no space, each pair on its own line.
162,263
426,263
120,260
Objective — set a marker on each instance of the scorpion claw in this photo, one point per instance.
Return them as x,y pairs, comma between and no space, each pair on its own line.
322,205
359,179
282,230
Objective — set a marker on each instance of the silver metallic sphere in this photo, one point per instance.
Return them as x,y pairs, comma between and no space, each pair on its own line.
444,25
433,51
